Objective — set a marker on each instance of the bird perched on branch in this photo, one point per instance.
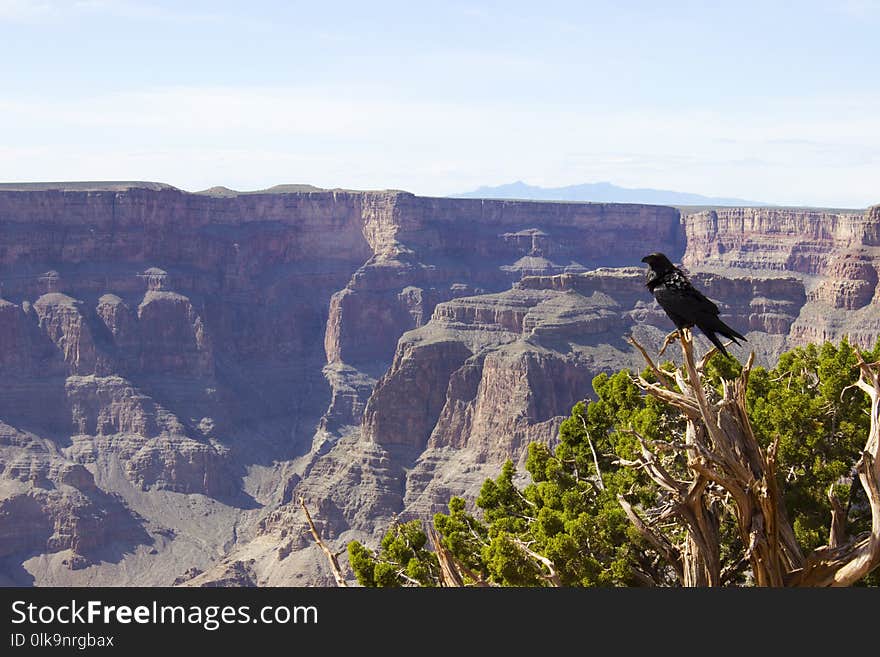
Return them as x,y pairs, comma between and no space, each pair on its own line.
684,304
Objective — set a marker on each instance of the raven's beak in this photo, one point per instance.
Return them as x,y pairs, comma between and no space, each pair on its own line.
645,259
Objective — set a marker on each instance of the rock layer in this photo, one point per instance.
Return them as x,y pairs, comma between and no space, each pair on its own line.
835,253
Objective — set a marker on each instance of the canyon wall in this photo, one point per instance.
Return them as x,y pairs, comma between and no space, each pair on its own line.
836,254
177,369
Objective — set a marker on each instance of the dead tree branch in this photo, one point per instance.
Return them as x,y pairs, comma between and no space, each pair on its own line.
838,520
657,541
449,575
452,571
843,565
331,556
723,454
552,576
600,481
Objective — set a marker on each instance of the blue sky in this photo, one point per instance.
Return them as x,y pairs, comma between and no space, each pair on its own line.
771,101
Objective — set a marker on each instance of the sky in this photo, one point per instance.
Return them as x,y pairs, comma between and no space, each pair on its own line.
770,101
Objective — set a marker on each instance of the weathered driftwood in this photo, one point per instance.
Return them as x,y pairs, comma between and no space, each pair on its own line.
727,466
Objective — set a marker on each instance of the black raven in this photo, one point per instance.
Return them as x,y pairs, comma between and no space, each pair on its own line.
684,304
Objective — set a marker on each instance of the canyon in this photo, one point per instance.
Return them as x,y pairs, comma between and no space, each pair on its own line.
178,370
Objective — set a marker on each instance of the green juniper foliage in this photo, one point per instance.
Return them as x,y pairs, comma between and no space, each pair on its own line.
570,514
821,422
402,559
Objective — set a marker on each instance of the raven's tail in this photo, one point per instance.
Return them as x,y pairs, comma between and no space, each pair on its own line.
714,339
729,333
717,326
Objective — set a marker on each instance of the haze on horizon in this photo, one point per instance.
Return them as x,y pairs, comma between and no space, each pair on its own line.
757,100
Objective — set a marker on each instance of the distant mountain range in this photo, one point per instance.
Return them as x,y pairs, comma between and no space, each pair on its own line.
601,192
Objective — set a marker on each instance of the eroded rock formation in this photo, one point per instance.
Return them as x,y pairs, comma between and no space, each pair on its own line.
177,369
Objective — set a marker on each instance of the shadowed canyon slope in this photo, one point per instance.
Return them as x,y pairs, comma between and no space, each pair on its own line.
177,369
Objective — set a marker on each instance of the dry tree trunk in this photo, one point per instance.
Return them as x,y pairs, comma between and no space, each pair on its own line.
449,575
332,558
725,460
453,571
843,564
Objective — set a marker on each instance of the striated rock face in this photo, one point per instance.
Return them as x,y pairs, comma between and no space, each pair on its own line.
177,370
770,238
850,282
17,352
50,504
62,321
429,251
173,339
407,401
769,305
835,253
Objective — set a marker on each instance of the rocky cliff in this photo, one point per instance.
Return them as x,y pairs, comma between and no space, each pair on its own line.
837,255
177,369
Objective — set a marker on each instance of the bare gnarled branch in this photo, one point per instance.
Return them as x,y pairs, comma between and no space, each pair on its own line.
723,450
331,556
